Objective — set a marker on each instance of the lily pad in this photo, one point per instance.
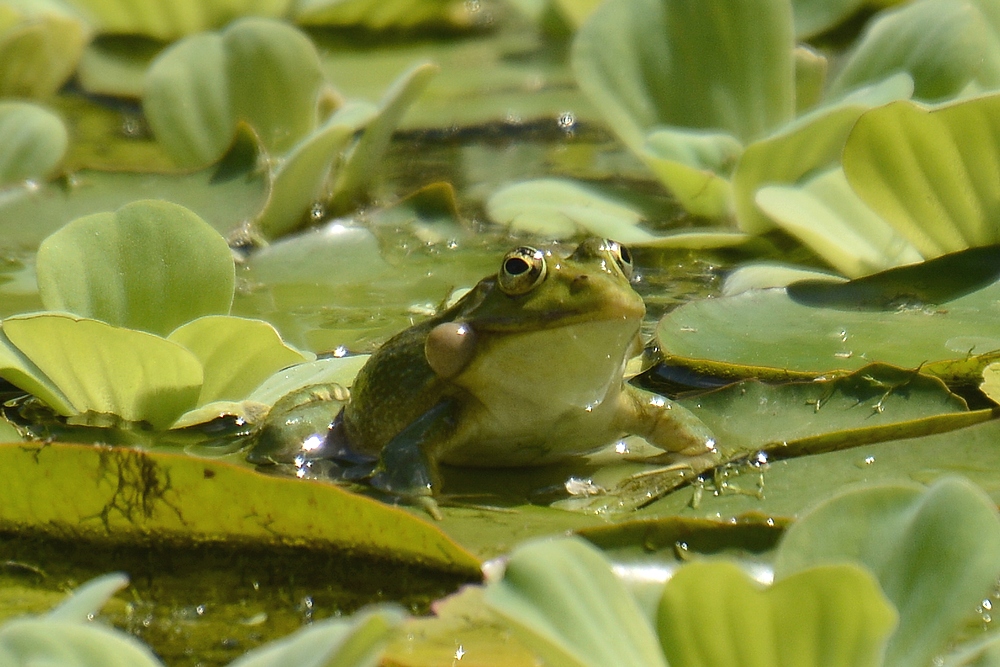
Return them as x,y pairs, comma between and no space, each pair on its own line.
236,354
125,496
768,334
714,614
151,265
104,369
933,174
260,71
33,141
934,551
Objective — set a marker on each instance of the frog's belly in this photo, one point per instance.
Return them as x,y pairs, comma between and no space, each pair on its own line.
543,396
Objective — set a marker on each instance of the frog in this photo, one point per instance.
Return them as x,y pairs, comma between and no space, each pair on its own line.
526,369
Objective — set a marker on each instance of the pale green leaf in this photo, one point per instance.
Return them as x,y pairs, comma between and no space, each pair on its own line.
88,599
39,53
943,44
829,219
934,175
712,614
170,19
27,642
632,57
384,14
104,369
353,178
337,642
21,372
322,371
151,265
236,354
33,141
563,599
814,141
260,71
935,553
991,382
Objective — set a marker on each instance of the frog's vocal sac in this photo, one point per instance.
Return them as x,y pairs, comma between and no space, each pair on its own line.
526,369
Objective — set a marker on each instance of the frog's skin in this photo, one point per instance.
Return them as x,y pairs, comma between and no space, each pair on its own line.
525,369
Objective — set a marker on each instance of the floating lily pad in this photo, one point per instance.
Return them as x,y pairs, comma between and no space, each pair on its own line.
33,141
935,552
151,265
768,334
713,613
104,369
934,175
260,71
124,496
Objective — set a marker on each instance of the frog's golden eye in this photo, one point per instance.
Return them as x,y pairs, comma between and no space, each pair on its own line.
623,258
522,269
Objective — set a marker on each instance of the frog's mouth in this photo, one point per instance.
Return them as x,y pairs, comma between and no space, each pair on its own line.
619,309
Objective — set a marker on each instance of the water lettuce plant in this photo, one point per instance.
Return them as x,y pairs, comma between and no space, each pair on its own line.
137,323
759,138
879,575
33,141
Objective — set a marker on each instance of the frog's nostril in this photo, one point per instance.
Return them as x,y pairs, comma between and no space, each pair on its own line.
579,283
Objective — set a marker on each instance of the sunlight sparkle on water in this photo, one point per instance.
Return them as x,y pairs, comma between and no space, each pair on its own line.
313,442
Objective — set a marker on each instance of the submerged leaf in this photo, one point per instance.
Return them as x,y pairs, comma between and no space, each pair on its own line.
150,265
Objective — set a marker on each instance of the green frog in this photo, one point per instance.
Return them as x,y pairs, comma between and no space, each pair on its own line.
526,369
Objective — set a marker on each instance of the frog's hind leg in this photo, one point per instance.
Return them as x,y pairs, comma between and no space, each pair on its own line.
408,467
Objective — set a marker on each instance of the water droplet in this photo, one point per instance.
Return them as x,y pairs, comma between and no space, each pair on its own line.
869,460
844,355
317,211
459,652
340,352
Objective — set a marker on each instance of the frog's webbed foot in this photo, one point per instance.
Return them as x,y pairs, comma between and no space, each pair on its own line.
671,427
407,467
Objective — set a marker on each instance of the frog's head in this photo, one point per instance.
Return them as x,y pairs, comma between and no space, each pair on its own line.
534,291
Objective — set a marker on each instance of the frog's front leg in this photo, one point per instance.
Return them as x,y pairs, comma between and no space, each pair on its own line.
408,464
669,426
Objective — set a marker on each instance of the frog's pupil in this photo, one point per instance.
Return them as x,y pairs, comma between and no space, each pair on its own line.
515,266
626,255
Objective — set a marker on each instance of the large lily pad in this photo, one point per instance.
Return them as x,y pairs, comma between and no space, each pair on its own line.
33,141
104,369
260,71
123,496
770,334
934,175
151,265
934,551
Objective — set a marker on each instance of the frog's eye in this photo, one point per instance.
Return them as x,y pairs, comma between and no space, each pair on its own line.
521,270
623,258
